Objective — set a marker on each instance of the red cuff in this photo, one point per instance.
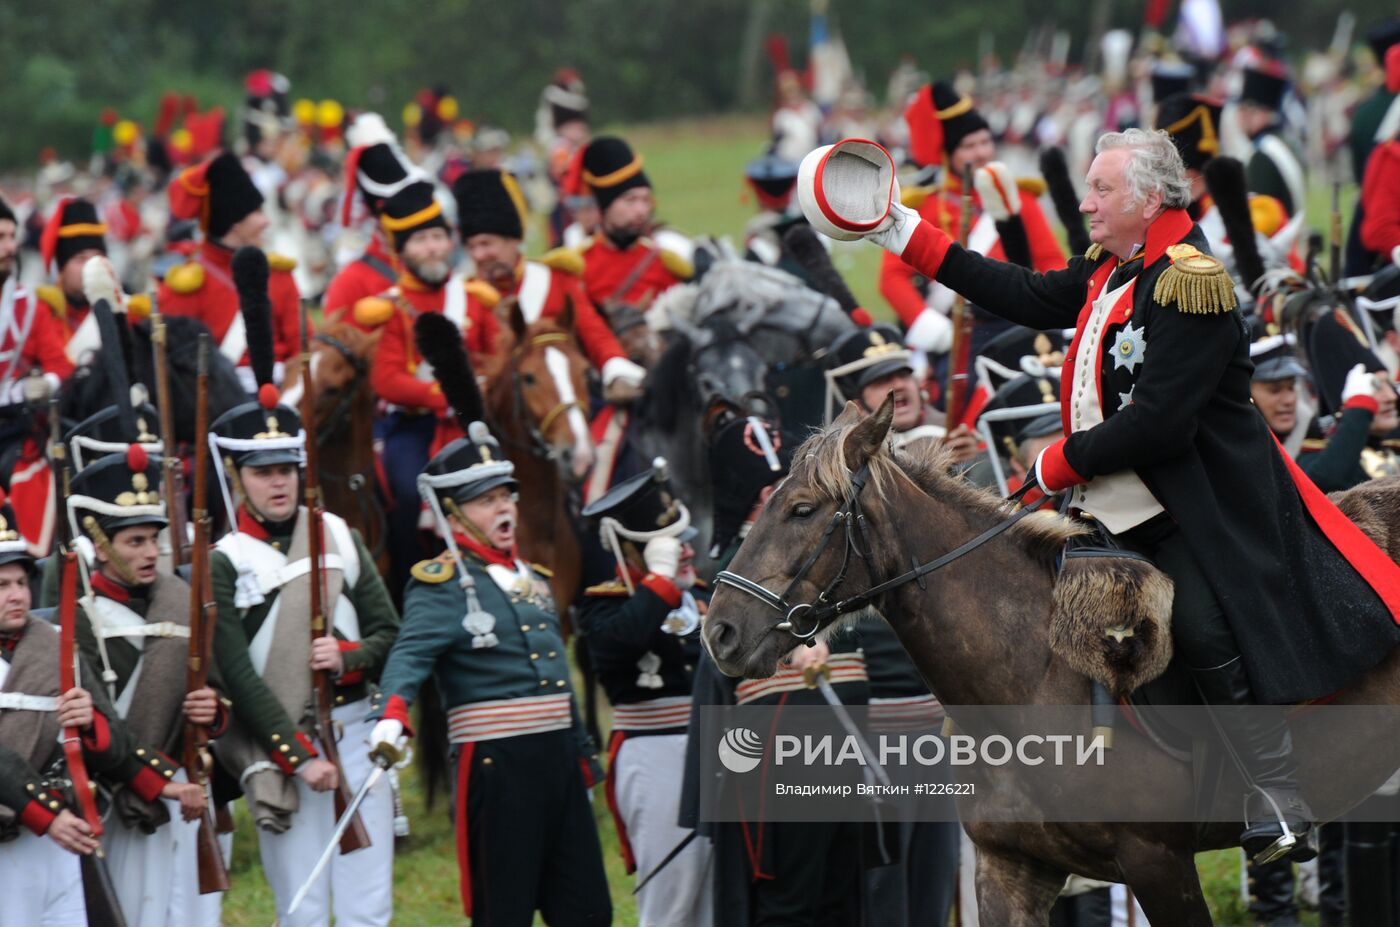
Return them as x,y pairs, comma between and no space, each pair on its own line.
1363,401
349,677
396,709
37,818
587,772
99,737
147,784
221,719
283,758
1054,471
665,590
927,249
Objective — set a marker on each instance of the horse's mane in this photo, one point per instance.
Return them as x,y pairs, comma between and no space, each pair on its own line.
821,461
670,388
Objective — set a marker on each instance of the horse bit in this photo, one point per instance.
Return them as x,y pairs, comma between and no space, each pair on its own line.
852,517
538,430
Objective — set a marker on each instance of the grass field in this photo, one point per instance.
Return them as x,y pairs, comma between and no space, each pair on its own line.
697,169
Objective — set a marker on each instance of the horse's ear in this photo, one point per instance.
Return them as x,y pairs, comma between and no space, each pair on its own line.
565,318
866,438
509,312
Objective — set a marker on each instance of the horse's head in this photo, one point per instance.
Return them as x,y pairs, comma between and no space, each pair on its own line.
548,373
339,370
804,551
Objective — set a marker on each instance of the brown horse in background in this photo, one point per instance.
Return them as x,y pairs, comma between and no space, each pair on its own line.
344,429
537,401
979,632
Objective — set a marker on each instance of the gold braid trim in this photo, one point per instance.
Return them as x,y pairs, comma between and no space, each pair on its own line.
1094,253
104,544
1197,283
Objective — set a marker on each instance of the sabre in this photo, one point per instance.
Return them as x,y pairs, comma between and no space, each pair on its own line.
385,757
816,678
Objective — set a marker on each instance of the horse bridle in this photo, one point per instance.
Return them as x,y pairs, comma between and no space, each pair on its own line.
341,413
853,518
538,430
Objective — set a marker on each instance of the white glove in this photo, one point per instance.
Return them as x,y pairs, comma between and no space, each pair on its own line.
997,189
1040,483
663,556
387,731
894,233
34,389
100,282
620,368
1360,382
932,331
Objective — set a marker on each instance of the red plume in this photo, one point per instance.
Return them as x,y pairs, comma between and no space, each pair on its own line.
48,241
571,184
189,193
925,129
268,396
352,185
169,109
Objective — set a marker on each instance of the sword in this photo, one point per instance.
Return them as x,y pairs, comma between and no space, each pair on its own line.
385,757
816,678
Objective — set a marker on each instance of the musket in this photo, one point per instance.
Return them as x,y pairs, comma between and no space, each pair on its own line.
170,463
1335,233
355,837
104,910
213,873
959,356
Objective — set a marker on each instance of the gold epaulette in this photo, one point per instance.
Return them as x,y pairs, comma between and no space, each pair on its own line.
612,587
187,278
568,260
1314,444
1094,253
484,292
543,570
52,296
438,570
1196,283
373,311
1035,186
138,307
915,197
281,262
677,265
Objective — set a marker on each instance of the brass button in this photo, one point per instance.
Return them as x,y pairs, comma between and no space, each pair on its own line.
525,627
53,805
542,625
340,700
560,683
170,774
553,654
544,682
487,761
141,751
285,748
155,761
30,786
534,656
295,760
276,737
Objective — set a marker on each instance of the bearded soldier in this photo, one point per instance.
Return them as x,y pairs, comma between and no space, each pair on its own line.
628,260
1165,450
643,631
134,624
262,578
491,217
482,623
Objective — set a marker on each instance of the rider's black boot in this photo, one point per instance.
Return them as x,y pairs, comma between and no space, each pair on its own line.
1262,747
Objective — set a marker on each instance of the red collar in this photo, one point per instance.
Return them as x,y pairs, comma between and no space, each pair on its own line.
217,255
250,526
1168,229
110,588
483,552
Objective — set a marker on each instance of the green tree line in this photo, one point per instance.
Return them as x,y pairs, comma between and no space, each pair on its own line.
63,61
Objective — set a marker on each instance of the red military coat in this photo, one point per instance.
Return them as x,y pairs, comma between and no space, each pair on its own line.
369,275
606,268
208,294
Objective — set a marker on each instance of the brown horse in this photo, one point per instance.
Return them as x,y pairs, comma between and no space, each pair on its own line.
537,400
979,633
344,428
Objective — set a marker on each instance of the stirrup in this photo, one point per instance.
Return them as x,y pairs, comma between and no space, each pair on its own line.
1287,843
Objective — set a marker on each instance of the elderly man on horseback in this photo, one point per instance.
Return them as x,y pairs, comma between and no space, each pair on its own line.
1278,598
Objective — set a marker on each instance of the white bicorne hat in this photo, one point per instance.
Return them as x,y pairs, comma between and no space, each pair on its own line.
845,189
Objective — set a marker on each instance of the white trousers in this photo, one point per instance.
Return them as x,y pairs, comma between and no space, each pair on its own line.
648,773
157,875
359,887
41,884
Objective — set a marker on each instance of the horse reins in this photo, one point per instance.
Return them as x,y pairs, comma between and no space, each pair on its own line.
341,413
538,430
853,518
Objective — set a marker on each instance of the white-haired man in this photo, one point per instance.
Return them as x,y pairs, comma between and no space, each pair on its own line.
1278,597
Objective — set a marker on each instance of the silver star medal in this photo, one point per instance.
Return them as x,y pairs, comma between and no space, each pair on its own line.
1126,399
1130,347
684,620
649,678
478,622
